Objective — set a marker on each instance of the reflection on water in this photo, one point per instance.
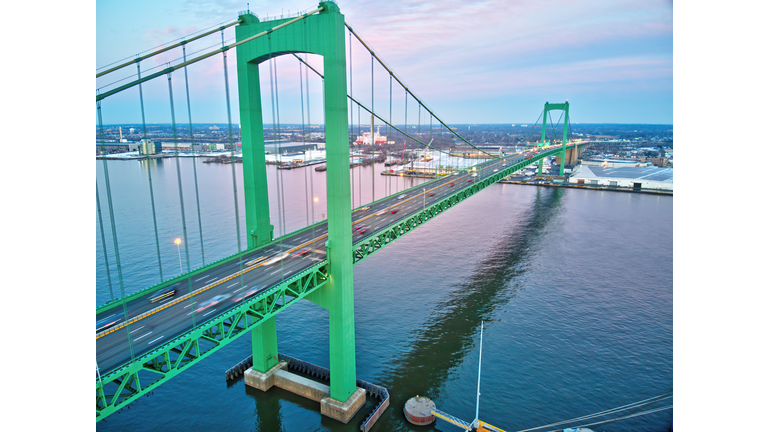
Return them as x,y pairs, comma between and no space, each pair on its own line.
575,288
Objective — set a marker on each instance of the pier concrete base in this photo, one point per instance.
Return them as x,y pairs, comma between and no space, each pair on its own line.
343,411
301,386
263,381
279,376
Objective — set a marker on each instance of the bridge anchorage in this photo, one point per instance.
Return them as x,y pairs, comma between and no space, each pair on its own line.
128,368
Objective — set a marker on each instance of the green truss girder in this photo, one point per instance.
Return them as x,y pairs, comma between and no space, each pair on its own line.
182,352
185,350
366,247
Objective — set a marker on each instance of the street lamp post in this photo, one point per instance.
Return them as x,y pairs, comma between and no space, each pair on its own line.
178,242
424,195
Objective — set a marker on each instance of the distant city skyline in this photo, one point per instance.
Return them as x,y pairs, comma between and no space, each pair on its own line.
471,63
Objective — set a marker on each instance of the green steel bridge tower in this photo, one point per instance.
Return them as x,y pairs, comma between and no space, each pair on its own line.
555,107
321,34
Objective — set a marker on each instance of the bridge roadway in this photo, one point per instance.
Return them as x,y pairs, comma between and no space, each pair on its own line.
222,287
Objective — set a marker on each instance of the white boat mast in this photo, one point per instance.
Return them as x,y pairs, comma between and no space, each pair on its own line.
476,422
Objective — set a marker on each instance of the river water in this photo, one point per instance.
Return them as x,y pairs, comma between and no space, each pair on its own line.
574,288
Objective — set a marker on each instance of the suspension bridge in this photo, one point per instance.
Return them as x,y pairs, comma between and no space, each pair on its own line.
195,314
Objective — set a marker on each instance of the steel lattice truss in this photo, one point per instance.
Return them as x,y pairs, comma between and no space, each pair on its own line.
120,387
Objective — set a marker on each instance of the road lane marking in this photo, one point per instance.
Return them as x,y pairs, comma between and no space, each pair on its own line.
135,330
212,311
142,336
207,276
150,343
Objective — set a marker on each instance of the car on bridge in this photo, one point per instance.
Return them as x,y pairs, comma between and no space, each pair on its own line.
450,184
164,293
212,302
431,194
108,322
300,253
275,258
401,197
393,211
246,294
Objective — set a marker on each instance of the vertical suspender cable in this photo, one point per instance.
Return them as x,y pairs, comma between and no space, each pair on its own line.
373,154
351,117
232,159
311,175
389,192
280,147
178,175
549,113
303,141
359,167
104,243
114,231
275,138
405,129
194,159
231,149
149,174
373,144
276,135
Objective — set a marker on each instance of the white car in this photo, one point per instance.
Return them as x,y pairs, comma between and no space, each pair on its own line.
401,197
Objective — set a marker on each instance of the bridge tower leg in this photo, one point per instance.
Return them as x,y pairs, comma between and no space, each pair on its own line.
322,34
259,229
566,125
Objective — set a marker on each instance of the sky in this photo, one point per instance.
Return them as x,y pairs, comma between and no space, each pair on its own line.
471,62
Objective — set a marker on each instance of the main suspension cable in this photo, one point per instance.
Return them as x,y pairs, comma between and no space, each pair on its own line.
182,43
169,69
159,66
407,89
387,122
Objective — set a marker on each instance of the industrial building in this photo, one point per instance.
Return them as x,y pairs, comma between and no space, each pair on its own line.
635,177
